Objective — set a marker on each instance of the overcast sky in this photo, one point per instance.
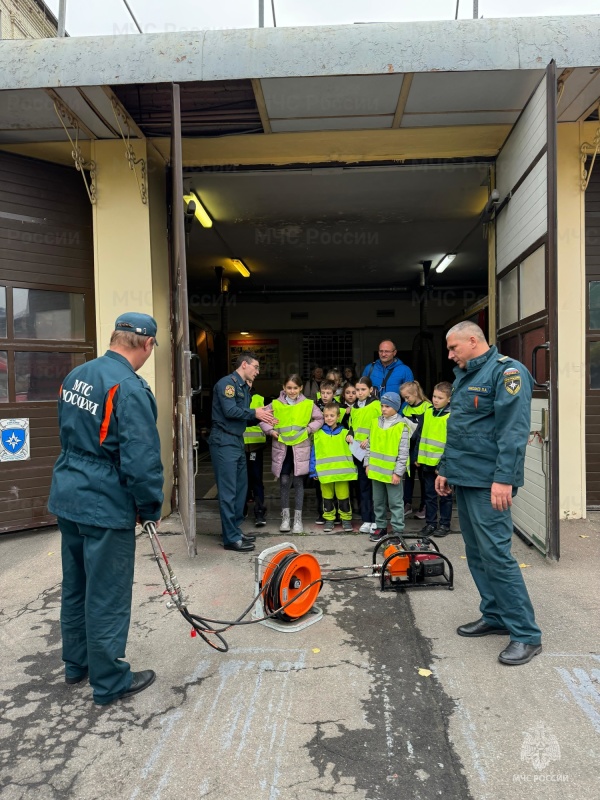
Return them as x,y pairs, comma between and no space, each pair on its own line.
110,17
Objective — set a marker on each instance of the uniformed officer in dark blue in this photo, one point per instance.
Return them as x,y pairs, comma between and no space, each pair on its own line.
484,459
231,415
108,475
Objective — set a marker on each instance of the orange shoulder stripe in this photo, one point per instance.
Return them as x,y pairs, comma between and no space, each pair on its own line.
107,412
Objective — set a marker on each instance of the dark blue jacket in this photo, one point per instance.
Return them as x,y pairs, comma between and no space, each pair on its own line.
390,378
231,410
109,470
488,428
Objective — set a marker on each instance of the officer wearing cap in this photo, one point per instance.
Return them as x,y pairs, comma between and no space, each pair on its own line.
231,415
108,475
484,459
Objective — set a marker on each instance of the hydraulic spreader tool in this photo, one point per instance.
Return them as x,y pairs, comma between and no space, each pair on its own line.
288,582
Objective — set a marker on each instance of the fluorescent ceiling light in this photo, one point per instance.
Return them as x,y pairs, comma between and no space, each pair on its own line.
445,262
241,267
201,213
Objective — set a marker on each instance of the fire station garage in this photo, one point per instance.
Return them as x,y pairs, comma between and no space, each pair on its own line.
329,207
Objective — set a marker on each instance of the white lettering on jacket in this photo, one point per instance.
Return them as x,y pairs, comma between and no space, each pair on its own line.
79,400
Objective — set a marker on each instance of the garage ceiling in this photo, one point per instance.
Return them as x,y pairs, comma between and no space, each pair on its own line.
360,226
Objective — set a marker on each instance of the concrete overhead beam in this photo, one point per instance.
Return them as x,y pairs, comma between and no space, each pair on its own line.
449,45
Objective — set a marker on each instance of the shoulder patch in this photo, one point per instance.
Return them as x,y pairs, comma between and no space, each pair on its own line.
229,390
511,371
512,383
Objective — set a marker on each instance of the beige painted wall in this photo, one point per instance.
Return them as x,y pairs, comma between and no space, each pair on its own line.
571,323
131,270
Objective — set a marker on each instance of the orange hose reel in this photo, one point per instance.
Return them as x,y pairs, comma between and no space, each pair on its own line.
286,578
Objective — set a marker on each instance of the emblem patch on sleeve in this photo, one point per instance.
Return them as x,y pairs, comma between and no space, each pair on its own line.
229,390
512,382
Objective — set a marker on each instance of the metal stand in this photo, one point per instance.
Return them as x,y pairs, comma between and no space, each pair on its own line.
395,578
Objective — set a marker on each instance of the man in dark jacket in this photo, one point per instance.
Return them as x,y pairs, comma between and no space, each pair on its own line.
108,475
484,459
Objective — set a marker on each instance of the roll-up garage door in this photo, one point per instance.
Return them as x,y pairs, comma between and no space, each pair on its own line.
47,323
526,290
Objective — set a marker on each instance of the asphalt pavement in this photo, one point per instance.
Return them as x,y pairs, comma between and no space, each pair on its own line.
378,699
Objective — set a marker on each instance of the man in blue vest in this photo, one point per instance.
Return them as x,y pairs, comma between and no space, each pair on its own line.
231,415
108,475
484,460
388,373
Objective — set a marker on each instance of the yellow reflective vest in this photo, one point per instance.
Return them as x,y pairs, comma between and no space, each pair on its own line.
292,421
416,411
361,419
384,444
433,438
253,434
333,459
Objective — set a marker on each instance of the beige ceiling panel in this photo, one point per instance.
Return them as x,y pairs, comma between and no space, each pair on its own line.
332,124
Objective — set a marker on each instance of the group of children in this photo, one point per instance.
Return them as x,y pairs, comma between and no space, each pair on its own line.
350,438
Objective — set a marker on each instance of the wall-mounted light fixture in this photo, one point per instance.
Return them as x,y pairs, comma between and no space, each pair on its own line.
201,213
244,333
241,267
445,262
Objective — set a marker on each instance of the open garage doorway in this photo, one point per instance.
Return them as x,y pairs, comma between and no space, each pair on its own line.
314,266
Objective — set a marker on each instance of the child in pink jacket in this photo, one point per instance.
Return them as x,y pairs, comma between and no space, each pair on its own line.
297,418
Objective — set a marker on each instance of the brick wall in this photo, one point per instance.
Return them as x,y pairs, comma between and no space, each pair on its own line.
25,19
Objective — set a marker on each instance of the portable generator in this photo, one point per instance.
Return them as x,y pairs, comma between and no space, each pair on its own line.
411,561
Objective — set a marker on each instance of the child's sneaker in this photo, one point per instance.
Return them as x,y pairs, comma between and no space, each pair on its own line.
365,528
378,534
407,509
328,527
347,526
373,527
320,520
419,514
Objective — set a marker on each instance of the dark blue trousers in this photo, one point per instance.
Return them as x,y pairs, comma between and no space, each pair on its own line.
95,612
432,498
254,469
365,493
229,463
488,533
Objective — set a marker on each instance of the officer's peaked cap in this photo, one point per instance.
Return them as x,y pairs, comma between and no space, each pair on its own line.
142,324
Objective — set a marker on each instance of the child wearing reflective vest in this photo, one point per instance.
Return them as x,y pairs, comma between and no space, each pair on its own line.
297,418
324,395
365,409
431,448
331,462
416,405
254,445
386,462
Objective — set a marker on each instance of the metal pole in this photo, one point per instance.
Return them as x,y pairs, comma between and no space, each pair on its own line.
62,17
261,13
137,24
475,9
273,10
456,13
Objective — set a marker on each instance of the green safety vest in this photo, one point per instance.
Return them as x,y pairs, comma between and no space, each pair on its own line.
384,445
416,411
254,434
333,459
293,421
433,438
361,419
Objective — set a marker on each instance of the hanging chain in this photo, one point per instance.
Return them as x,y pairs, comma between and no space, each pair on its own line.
133,162
63,114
